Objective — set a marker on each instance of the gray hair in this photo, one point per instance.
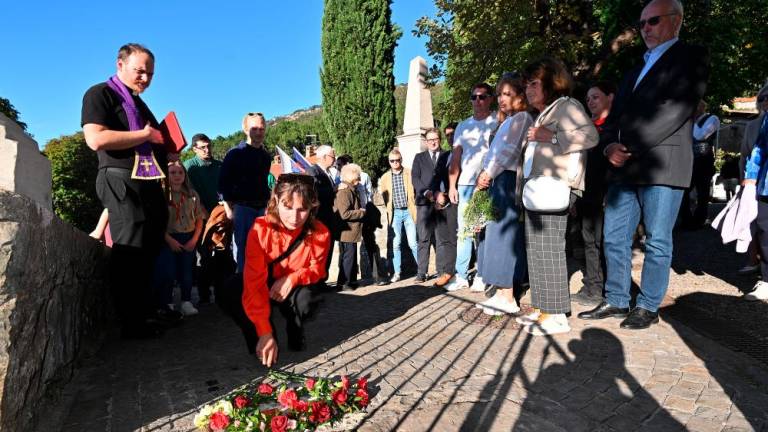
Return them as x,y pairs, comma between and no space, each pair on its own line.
323,150
677,7
350,172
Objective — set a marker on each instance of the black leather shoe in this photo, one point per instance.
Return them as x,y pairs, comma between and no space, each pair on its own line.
604,310
586,297
421,278
640,319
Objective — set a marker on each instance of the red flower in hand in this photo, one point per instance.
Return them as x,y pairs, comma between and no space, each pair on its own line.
310,384
362,383
345,382
219,420
363,395
321,413
241,402
339,396
300,406
287,398
265,389
278,423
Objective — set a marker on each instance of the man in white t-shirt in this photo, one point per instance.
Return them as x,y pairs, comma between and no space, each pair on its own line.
471,141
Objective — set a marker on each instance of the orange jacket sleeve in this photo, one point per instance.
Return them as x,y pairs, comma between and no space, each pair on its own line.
313,271
255,290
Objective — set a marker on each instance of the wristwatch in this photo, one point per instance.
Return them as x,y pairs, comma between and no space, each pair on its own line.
554,139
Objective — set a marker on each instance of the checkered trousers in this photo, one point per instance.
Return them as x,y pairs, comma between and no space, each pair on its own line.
547,269
399,197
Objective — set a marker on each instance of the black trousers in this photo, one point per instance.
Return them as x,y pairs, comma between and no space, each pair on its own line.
347,263
138,215
703,170
446,227
299,306
372,254
425,235
591,211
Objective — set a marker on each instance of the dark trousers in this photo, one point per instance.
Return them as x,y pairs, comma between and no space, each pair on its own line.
425,235
592,233
703,170
372,255
138,214
297,307
762,234
446,227
347,263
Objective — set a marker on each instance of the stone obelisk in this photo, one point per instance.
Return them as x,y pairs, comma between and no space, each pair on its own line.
418,112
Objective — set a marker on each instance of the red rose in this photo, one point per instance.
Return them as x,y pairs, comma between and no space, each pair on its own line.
300,406
310,384
345,382
219,420
269,412
321,413
278,423
362,383
339,396
287,398
265,389
363,395
241,402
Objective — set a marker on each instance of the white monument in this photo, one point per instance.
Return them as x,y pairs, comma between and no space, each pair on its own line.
418,112
23,169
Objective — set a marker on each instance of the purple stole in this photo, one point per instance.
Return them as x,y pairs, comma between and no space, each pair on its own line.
145,166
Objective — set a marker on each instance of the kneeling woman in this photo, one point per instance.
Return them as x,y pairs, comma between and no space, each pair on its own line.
285,255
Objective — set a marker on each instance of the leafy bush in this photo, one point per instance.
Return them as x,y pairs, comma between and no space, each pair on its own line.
73,170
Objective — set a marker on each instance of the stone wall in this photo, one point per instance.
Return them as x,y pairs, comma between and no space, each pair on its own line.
53,305
23,169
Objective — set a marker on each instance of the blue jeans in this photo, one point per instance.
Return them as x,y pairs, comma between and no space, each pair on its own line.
172,266
242,220
658,205
464,245
402,220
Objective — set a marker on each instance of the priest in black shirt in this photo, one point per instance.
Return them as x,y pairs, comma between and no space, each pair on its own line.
119,126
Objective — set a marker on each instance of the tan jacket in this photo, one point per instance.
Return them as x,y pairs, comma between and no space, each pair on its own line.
575,133
349,215
385,188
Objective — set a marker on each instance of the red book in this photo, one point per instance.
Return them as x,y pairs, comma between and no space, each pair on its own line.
172,134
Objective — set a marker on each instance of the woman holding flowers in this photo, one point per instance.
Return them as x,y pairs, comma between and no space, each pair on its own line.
285,256
553,172
504,263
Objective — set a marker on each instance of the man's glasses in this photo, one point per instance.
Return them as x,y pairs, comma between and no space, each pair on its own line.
395,160
432,139
479,96
762,98
205,147
653,21
296,178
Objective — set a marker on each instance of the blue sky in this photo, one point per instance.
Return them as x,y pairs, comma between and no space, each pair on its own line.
214,63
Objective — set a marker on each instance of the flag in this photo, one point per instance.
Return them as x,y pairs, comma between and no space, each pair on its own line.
304,163
287,164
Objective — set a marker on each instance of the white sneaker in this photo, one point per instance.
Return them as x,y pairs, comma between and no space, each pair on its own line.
759,293
477,285
528,319
187,308
553,324
498,305
457,284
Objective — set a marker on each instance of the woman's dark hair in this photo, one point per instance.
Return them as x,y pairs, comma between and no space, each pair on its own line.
607,87
516,81
554,77
285,187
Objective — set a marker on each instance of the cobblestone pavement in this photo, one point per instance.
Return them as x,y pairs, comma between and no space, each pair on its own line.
434,364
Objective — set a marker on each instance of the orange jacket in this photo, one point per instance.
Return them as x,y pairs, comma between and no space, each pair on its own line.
305,266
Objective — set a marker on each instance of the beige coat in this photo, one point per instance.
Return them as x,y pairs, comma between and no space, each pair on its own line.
575,133
385,188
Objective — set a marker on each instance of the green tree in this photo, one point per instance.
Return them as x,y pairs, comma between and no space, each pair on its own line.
7,108
73,171
358,44
596,40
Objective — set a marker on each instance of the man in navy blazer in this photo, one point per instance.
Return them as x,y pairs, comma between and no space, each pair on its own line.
647,140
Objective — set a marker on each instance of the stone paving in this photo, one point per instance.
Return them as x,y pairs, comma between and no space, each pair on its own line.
434,364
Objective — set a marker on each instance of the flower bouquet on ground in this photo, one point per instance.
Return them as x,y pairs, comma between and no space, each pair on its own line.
478,213
285,402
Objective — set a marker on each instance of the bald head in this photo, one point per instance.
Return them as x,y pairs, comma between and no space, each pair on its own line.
661,21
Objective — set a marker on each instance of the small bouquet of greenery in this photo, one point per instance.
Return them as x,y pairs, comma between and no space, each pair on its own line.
478,213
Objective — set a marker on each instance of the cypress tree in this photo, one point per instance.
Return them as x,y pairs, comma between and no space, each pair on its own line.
358,45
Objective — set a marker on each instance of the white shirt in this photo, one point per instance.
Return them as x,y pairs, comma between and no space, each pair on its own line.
474,138
365,189
507,144
707,129
651,56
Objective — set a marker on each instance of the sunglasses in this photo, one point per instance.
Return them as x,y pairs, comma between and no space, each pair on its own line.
480,96
296,178
653,21
250,114
395,160
762,98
